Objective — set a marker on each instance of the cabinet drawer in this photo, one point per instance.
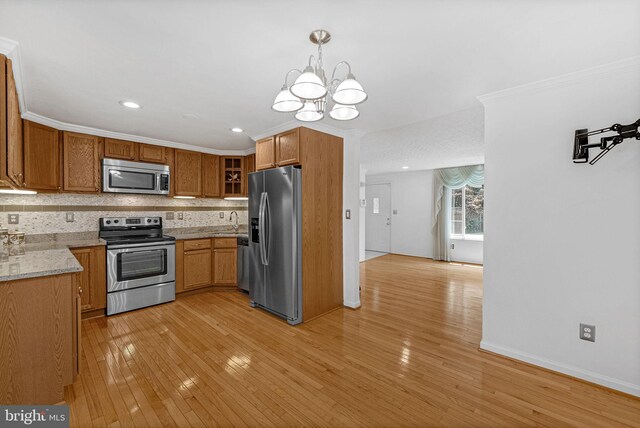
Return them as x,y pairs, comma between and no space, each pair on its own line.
197,244
225,242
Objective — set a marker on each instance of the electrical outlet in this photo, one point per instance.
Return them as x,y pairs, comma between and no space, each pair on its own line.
14,218
347,214
221,214
180,215
588,332
453,246
170,215
70,217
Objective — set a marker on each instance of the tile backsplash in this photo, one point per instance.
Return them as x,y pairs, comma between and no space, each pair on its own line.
47,213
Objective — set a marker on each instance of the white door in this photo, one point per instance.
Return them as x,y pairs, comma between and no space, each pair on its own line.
378,218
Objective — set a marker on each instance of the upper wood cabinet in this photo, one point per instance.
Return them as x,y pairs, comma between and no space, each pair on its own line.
169,159
81,162
41,157
153,154
120,149
265,153
12,150
92,280
249,167
188,173
288,148
210,176
232,168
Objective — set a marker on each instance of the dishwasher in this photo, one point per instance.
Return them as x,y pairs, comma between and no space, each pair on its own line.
243,263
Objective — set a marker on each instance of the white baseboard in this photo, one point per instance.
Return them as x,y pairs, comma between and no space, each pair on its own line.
351,304
589,376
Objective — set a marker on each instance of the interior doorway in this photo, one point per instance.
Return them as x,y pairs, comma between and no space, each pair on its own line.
377,220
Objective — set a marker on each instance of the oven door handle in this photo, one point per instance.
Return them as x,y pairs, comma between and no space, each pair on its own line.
141,245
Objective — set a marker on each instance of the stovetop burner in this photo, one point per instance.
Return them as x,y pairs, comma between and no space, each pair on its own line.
132,230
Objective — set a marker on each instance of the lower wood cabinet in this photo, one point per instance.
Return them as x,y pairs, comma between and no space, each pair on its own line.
206,262
40,339
197,268
92,285
225,270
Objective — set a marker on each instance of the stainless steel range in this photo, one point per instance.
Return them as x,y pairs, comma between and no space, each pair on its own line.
141,263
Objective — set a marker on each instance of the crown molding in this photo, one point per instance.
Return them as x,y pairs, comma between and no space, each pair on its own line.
625,65
64,126
11,49
318,126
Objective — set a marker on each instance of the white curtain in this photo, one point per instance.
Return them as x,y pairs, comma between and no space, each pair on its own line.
443,181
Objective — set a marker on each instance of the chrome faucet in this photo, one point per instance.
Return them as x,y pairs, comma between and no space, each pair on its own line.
235,226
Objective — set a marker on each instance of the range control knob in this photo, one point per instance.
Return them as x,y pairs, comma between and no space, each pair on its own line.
155,221
148,220
108,221
116,221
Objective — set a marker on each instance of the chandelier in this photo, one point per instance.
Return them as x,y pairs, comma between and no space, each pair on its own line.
310,92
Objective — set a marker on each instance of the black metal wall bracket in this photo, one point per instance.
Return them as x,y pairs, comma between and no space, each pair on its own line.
581,144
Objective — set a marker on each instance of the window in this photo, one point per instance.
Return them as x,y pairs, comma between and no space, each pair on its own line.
467,213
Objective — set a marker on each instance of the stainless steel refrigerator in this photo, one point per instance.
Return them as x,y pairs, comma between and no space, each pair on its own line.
275,244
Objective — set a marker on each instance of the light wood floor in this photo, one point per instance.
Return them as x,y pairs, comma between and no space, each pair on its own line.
408,357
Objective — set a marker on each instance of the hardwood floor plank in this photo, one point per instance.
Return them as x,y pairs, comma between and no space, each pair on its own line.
408,357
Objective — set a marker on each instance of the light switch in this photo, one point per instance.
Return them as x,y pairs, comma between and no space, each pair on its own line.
347,214
395,212
70,217
170,215
180,215
221,214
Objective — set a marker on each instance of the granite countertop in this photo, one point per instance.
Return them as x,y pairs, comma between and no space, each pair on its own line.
44,255
35,260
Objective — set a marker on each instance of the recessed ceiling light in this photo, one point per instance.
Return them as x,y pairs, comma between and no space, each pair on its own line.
405,167
237,129
129,104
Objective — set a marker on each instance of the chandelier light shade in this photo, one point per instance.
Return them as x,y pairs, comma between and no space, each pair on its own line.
349,92
309,113
342,112
308,86
286,102
311,90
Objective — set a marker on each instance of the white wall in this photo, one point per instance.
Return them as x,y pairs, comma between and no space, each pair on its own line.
411,230
563,240
361,211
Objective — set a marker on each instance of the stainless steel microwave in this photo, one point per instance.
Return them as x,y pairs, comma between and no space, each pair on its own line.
120,176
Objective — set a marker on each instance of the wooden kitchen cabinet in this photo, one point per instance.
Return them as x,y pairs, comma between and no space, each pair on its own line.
120,149
11,155
170,156
249,167
265,157
91,281
288,147
188,173
231,174
81,162
225,261
152,154
197,268
210,176
41,157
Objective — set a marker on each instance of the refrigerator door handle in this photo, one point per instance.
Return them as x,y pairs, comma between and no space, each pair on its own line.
261,229
267,215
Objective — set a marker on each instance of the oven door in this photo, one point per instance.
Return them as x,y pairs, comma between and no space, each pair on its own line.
140,265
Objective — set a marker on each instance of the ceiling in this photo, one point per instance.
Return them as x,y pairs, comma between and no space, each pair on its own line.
224,61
